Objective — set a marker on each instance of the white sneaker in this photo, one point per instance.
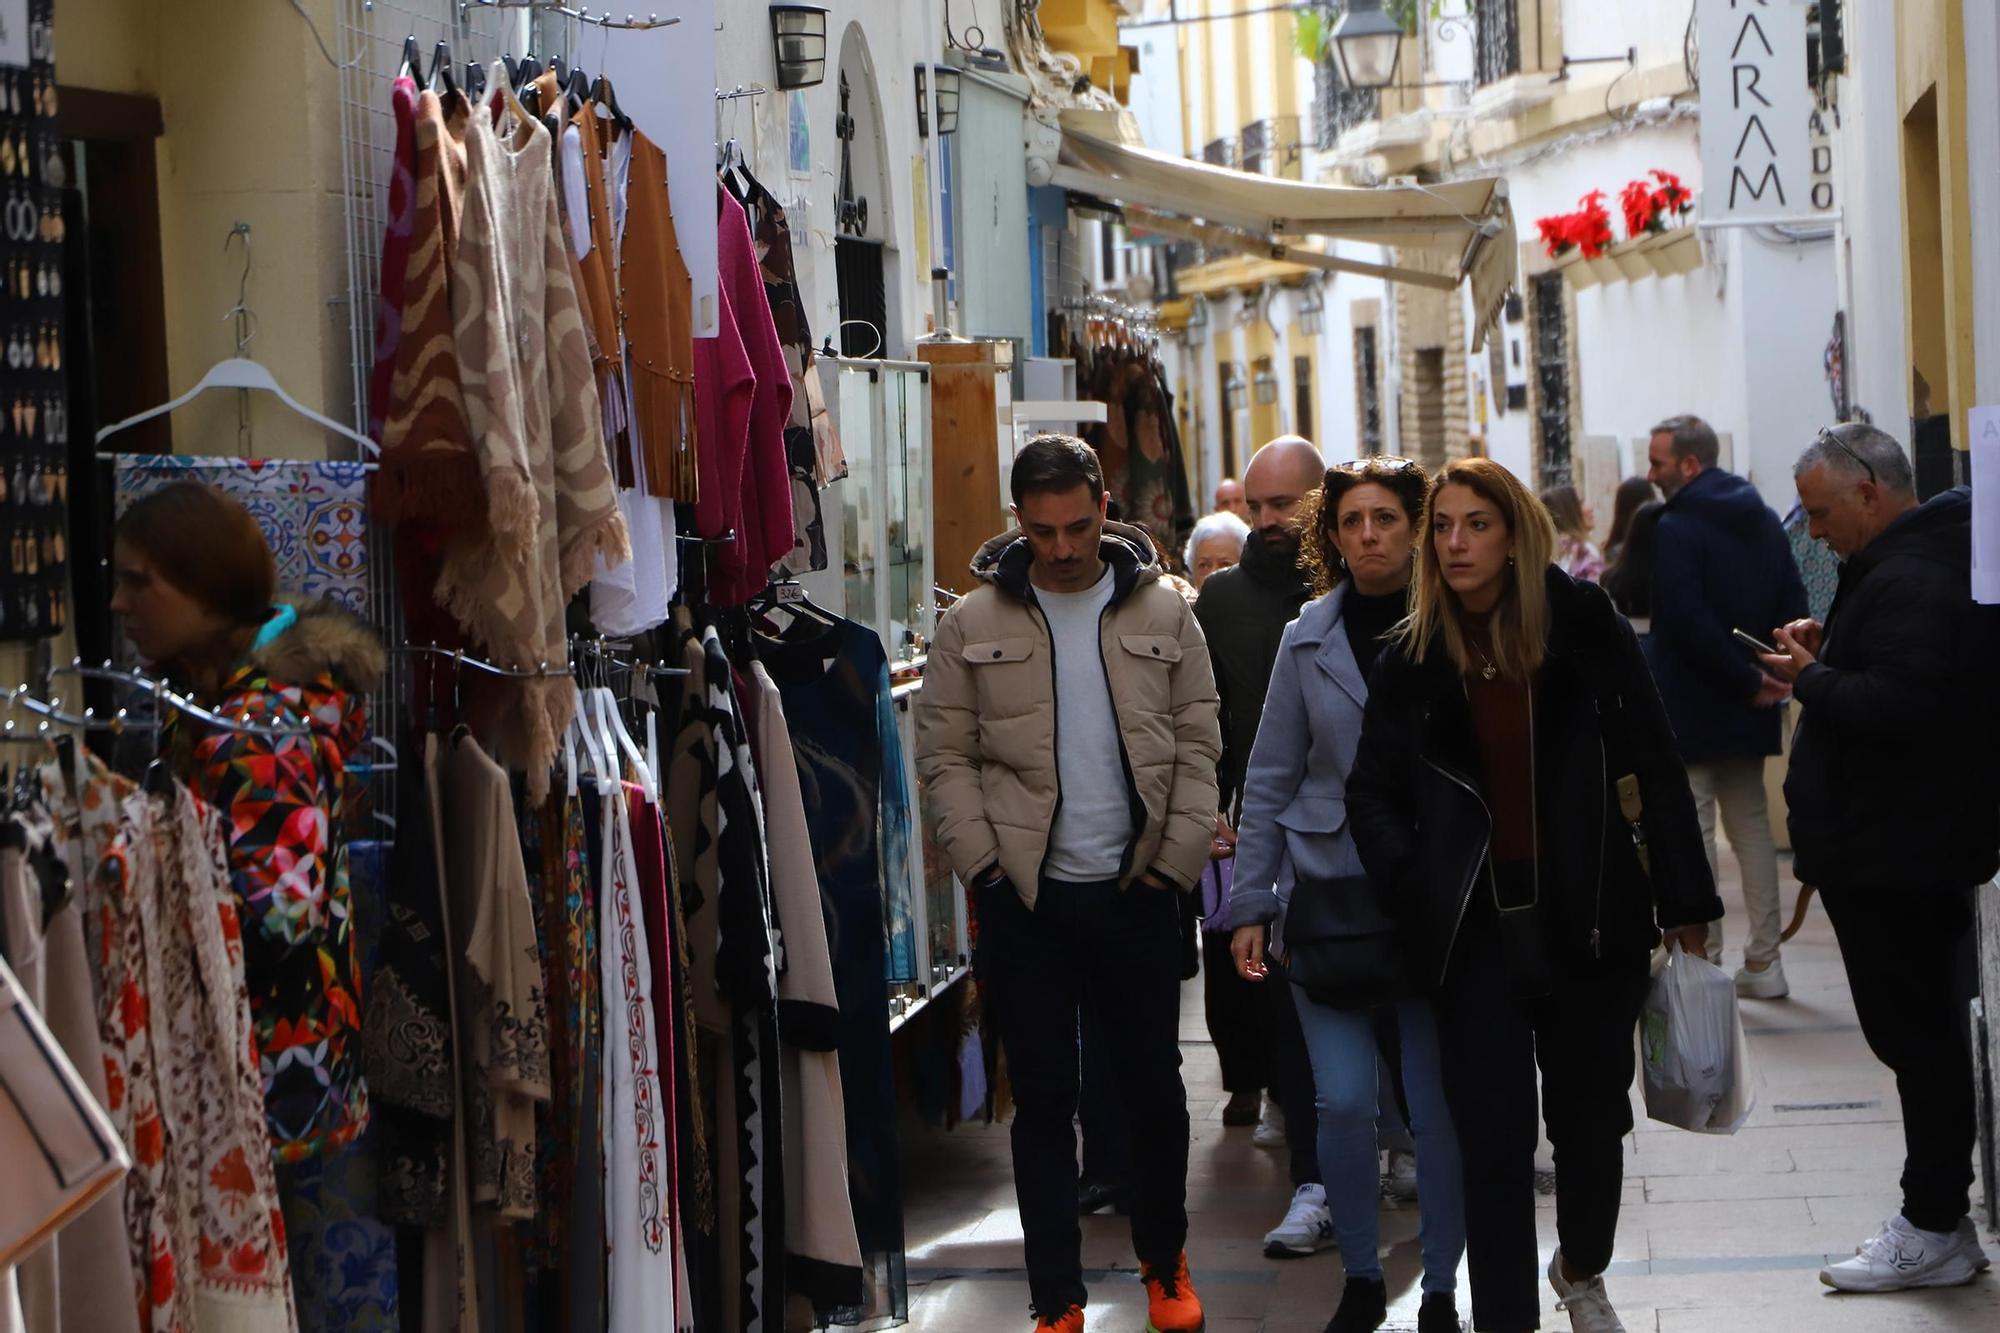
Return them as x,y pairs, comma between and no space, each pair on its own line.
1968,1239
1768,984
1900,1257
1307,1228
1270,1132
1587,1303
1402,1175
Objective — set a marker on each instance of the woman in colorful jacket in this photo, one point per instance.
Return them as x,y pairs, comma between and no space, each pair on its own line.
194,586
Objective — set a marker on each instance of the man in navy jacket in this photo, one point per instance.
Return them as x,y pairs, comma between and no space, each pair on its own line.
1722,563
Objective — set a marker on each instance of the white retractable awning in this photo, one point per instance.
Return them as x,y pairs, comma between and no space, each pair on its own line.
1443,234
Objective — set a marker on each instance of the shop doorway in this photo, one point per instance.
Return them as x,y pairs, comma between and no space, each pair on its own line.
864,265
114,314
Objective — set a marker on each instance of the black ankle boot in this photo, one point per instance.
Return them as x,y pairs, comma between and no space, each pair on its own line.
1438,1313
1363,1306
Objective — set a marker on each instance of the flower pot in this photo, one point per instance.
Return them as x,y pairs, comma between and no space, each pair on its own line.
1631,259
1606,267
1677,251
1578,271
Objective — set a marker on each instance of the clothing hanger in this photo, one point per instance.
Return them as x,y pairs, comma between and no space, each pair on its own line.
443,82
513,100
475,80
578,88
614,728
606,98
413,63
243,373
557,68
593,755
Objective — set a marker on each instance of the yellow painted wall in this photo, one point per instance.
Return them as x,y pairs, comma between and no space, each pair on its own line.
1937,207
251,112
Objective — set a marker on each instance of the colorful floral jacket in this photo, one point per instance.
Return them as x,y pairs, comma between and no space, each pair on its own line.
284,805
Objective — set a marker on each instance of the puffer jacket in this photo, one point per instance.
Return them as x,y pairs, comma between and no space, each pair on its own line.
1892,787
284,801
986,721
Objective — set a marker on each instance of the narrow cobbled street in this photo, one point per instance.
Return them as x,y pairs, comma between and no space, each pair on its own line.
1718,1233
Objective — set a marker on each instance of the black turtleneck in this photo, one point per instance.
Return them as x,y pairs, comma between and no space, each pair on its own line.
1368,619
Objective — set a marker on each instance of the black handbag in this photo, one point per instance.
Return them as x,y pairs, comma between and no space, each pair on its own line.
1341,946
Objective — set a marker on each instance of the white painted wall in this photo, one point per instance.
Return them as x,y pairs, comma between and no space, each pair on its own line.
897,35
1608,27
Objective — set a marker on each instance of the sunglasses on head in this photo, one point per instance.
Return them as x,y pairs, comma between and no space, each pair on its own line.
1379,463
1828,437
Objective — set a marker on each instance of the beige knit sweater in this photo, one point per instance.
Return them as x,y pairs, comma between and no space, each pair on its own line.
537,428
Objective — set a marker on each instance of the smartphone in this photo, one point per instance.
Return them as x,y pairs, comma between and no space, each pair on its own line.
1752,642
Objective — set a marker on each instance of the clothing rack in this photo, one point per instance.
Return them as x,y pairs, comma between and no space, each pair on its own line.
461,659
741,90
581,13
161,695
604,649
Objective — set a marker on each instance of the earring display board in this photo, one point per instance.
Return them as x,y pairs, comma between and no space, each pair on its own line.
34,408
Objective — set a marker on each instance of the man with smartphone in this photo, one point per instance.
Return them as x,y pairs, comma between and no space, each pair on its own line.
1895,815
1722,564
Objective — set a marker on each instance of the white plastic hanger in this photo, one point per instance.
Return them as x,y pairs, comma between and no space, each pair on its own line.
569,757
240,372
614,727
592,753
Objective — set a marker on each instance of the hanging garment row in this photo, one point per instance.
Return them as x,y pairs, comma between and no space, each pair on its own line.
548,420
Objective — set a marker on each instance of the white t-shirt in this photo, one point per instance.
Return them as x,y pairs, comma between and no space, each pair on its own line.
1094,822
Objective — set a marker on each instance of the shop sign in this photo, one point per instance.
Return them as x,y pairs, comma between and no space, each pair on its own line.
1756,107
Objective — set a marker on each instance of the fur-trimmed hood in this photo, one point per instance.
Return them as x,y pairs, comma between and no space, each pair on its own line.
326,640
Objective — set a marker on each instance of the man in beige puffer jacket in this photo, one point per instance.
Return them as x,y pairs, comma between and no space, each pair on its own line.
1067,739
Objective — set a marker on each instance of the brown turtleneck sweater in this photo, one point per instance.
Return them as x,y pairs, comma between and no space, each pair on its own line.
1503,722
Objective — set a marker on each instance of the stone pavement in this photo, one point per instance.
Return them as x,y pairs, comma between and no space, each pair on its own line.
1718,1233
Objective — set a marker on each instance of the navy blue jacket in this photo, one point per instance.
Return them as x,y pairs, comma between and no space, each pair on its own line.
1721,562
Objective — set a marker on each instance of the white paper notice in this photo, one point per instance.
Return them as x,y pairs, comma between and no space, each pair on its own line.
1985,439
14,33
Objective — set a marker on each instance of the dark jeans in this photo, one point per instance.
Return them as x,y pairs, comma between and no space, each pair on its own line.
1235,1011
1291,1076
1906,955
1120,951
1581,1037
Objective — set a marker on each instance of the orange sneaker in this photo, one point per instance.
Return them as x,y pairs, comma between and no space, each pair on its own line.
1171,1305
1069,1321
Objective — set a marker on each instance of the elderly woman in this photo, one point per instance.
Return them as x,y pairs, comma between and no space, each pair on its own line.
1216,543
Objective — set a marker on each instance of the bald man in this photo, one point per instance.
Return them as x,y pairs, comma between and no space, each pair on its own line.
1229,499
1244,611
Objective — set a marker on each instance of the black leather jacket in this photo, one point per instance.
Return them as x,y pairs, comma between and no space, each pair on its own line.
1417,803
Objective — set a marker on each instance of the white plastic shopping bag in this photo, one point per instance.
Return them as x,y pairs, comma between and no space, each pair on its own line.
1691,1044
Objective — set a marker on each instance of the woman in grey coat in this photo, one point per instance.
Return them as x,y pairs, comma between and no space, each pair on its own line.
1293,832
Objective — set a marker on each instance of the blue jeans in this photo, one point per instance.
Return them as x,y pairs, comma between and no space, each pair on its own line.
1349,1089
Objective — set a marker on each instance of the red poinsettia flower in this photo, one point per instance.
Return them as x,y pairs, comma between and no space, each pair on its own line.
1592,225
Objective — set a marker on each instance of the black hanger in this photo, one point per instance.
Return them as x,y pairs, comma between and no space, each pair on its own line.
441,71
159,779
578,88
606,96
475,80
526,72
513,68
413,60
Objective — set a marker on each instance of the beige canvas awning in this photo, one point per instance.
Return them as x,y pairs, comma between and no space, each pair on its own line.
1443,234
